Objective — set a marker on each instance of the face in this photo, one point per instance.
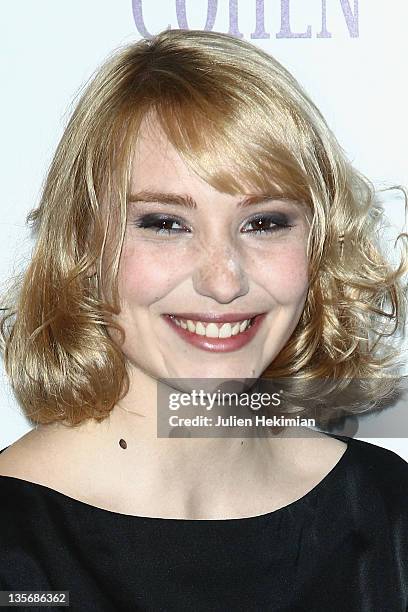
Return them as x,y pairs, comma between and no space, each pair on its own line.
216,258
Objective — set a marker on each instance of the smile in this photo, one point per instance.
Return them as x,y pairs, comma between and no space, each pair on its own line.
214,330
218,337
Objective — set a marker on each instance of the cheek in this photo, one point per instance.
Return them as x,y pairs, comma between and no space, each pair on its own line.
285,275
146,274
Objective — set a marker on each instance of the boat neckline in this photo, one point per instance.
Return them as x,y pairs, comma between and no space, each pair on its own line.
297,503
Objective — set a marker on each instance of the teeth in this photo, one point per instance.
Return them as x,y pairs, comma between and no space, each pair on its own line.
199,328
244,325
211,330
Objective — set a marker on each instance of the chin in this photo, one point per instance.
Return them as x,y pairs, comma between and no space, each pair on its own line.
216,372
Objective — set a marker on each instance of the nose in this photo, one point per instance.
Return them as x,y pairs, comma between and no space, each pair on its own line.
220,274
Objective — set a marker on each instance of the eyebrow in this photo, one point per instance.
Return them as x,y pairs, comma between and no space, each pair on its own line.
187,201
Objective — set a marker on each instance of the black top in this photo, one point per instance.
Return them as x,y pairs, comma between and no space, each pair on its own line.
341,547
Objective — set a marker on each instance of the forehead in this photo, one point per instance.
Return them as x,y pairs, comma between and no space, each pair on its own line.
157,166
156,162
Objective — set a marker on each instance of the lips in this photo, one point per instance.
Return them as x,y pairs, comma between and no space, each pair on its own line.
220,345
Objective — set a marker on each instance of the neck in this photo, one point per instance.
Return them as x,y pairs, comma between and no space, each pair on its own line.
184,475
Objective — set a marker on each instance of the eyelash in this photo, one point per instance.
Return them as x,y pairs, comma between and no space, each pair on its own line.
152,220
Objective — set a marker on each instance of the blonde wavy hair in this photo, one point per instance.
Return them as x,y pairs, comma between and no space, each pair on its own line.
243,123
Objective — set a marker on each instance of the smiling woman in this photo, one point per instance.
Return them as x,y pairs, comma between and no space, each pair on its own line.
216,252
200,221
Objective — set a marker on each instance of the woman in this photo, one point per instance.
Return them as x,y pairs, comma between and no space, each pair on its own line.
225,199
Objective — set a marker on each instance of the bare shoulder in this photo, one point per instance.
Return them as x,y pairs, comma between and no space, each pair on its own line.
27,457
316,453
53,455
325,443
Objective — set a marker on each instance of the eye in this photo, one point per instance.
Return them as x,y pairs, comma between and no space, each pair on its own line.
268,223
264,224
162,223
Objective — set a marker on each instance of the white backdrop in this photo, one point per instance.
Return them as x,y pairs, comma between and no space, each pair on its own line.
349,55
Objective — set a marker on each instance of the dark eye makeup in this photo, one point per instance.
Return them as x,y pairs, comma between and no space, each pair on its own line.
264,224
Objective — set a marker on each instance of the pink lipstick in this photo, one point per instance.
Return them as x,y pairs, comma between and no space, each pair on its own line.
218,345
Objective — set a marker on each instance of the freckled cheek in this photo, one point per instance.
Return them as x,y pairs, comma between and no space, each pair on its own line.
285,276
147,274
149,271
